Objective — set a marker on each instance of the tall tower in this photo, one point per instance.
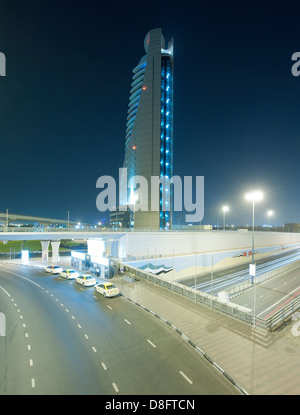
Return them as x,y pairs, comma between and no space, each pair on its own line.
149,128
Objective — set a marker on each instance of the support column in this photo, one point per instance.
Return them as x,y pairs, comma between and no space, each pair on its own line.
45,247
55,251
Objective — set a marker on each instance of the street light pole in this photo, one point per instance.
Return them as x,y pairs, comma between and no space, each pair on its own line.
254,197
269,213
225,209
253,231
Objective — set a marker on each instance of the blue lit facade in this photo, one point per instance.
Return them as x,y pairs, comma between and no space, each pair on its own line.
149,128
166,137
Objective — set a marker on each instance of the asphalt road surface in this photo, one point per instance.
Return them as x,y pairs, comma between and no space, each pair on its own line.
216,281
62,338
268,295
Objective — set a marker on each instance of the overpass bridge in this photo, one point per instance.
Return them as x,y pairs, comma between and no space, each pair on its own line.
7,217
129,244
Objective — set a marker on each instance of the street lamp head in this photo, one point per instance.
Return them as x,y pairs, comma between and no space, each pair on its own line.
225,208
270,212
255,196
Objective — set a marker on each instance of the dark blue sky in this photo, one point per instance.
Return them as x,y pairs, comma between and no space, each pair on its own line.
63,103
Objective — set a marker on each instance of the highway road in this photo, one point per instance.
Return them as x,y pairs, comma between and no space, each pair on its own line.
268,295
62,338
216,281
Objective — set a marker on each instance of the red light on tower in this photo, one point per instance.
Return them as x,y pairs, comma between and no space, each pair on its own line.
134,147
144,88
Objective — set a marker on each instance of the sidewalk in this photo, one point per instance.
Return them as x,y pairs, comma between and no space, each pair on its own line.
260,363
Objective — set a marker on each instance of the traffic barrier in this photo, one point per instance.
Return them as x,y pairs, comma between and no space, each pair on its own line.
235,310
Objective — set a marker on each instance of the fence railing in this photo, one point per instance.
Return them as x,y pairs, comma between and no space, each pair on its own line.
245,314
209,300
282,313
113,230
243,286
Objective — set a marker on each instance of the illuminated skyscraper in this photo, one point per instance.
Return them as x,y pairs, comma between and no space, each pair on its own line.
149,128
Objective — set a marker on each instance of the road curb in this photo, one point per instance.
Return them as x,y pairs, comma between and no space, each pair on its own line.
181,334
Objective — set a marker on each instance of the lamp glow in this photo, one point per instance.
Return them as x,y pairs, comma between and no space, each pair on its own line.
255,196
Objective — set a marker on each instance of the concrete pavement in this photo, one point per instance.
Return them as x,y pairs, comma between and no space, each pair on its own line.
258,362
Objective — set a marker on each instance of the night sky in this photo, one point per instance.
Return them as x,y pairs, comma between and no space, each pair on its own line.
63,102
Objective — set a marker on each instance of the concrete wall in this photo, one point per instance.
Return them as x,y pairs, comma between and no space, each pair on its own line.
147,244
190,253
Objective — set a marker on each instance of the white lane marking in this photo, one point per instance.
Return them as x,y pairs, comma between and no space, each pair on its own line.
94,349
33,383
67,310
28,347
24,278
128,322
79,326
103,365
152,344
109,307
5,292
277,302
26,334
30,362
86,336
115,387
73,317
185,377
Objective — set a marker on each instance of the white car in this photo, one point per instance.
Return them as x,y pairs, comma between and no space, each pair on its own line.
53,269
107,289
70,274
86,280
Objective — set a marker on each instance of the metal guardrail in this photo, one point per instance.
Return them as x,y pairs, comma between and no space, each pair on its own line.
243,286
209,300
283,313
276,317
4,229
245,314
119,230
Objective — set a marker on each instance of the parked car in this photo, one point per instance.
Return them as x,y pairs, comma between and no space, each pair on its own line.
53,269
107,289
69,274
86,280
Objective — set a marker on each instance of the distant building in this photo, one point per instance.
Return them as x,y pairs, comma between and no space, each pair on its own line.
121,219
149,129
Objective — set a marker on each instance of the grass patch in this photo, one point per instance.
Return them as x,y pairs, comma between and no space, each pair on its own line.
17,246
